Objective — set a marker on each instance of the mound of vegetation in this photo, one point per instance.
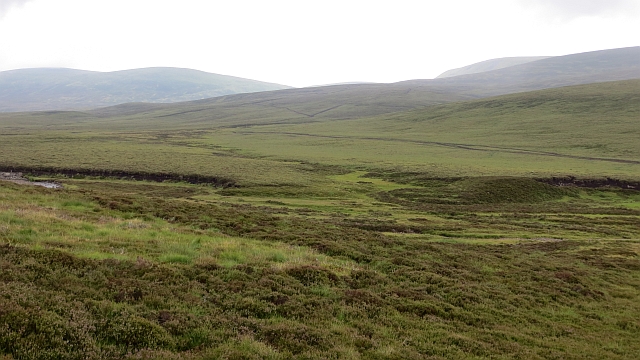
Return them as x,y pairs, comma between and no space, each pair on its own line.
510,190
109,271
469,191
468,301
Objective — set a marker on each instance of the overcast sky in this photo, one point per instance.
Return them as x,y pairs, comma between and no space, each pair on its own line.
306,42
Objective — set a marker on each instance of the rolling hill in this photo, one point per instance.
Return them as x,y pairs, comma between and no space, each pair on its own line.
579,129
339,222
575,69
596,122
489,65
69,89
360,100
307,104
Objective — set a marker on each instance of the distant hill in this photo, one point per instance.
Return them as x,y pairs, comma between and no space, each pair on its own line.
594,126
489,65
315,104
69,89
353,101
575,69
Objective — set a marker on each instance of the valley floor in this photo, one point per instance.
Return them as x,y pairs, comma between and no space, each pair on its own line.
371,266
282,228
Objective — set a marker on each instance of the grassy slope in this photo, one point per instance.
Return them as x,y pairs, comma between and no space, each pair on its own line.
55,89
340,101
575,69
344,238
552,132
557,130
355,101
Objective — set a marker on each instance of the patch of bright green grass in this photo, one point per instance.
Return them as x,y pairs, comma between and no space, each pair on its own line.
112,235
401,281
361,238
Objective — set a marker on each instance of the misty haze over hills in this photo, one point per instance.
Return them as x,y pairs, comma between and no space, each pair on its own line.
380,220
357,100
489,65
66,89
574,69
414,180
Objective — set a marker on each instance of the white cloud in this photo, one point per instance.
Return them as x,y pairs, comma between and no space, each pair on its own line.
564,10
6,5
296,42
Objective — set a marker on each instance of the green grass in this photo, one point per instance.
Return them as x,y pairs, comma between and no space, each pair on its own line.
165,268
577,130
582,131
358,238
158,288
44,223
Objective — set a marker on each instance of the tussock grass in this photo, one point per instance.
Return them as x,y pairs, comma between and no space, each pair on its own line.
135,272
61,224
338,240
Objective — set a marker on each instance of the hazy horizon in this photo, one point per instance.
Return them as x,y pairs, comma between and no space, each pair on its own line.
305,44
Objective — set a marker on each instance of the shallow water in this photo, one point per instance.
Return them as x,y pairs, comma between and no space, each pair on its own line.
22,181
48,185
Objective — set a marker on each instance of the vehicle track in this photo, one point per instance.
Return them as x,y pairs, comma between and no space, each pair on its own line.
472,147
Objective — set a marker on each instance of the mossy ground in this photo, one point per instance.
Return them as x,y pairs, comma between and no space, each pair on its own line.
381,237
113,268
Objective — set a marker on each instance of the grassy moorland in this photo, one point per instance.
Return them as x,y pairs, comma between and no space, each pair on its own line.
112,269
588,130
434,233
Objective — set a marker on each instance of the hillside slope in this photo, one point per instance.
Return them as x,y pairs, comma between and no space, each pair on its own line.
489,65
575,69
360,100
594,120
66,89
354,100
581,130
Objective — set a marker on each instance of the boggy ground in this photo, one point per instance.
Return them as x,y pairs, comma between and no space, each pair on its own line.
17,178
396,266
259,234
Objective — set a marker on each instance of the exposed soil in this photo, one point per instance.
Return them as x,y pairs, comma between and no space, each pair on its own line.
591,183
118,174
